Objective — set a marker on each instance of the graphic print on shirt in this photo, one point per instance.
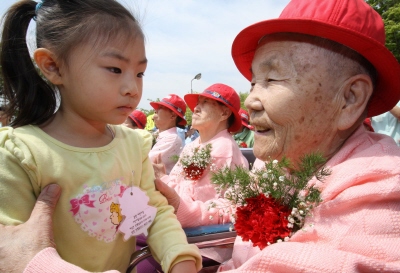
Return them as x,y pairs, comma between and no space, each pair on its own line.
91,209
116,216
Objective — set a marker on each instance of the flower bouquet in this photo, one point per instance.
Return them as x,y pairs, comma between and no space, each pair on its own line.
271,203
197,162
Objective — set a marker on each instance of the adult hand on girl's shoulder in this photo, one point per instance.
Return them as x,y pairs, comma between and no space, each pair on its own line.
169,193
19,244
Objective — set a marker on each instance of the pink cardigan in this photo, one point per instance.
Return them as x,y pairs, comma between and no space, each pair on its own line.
196,196
355,229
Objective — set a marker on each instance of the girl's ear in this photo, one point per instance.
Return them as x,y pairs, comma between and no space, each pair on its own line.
48,65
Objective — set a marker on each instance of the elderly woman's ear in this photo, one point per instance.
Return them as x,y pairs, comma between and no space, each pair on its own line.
356,92
226,113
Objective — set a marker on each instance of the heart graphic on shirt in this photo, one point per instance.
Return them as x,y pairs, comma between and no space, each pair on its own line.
91,210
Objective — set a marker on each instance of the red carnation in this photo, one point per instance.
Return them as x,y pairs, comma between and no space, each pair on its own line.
262,220
243,145
193,172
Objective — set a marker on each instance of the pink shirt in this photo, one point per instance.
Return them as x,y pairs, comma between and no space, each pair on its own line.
196,196
168,144
357,226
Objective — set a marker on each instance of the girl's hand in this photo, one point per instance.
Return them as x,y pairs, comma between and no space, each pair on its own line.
185,266
19,244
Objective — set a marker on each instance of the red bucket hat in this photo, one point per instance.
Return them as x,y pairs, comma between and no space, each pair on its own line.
245,118
352,23
175,104
224,94
139,118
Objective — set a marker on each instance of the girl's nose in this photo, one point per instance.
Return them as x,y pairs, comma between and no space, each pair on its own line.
130,86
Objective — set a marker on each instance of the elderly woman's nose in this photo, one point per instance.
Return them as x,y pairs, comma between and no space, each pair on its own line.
253,103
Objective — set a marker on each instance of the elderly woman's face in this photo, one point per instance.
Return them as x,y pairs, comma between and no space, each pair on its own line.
207,114
292,102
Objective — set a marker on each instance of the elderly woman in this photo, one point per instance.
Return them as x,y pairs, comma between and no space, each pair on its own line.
169,115
312,94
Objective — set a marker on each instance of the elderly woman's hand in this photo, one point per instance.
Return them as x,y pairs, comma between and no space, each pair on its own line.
159,167
169,193
19,244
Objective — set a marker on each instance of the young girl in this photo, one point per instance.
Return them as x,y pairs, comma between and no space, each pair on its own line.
93,58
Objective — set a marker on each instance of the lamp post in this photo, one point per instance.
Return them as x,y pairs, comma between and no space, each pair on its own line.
197,77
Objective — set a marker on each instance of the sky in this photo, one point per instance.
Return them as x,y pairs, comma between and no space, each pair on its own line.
187,37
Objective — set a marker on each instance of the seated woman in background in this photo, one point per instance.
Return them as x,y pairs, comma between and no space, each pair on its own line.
215,115
136,120
169,114
245,136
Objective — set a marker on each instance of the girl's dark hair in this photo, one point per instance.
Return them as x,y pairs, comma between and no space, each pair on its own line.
61,25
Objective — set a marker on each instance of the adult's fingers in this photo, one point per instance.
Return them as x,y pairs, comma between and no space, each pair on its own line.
157,159
42,214
20,243
46,203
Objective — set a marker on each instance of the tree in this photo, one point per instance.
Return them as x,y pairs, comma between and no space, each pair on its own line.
390,12
243,97
188,115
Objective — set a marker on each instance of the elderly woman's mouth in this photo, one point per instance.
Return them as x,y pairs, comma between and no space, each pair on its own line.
260,129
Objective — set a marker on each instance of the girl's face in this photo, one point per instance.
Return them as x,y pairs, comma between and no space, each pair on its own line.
103,84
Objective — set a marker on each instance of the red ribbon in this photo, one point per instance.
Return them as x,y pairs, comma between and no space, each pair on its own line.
84,200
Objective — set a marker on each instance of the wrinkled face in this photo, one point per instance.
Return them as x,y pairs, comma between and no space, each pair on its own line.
206,114
292,103
164,118
103,84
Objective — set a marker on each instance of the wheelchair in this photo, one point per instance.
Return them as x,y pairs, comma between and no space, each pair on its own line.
202,237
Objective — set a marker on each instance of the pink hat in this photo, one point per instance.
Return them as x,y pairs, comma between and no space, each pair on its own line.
224,94
175,104
245,118
139,118
352,23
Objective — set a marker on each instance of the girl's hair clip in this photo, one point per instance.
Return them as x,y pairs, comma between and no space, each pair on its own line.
38,6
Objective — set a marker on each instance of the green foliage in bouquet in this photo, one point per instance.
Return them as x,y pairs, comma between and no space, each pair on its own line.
289,189
271,203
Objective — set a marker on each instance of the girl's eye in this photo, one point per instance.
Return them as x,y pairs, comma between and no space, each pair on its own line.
115,70
140,75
